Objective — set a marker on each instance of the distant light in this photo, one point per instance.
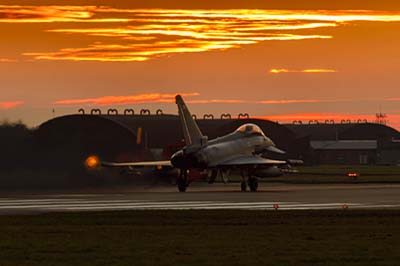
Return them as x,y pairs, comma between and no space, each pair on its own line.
92,162
352,175
159,167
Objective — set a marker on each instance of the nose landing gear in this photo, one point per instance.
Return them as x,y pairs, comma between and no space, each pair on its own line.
182,181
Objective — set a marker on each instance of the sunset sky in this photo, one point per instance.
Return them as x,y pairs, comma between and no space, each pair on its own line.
284,60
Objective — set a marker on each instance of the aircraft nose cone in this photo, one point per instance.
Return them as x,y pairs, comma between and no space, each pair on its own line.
275,150
178,160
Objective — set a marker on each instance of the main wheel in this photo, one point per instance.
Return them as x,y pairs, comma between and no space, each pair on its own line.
243,186
253,184
182,185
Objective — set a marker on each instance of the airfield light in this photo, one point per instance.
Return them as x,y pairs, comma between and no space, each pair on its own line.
92,162
353,175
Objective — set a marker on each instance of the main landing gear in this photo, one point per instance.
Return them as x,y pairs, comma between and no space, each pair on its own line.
253,184
183,181
250,181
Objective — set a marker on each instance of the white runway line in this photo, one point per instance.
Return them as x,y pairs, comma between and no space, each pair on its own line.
76,204
115,203
5,201
103,205
133,205
215,206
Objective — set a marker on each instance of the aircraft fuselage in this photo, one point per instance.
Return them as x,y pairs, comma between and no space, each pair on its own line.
221,149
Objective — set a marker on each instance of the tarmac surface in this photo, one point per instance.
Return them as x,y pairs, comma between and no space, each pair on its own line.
203,196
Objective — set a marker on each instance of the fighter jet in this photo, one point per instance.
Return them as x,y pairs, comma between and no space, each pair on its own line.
240,150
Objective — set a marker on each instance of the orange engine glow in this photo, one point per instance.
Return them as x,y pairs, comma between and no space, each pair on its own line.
92,162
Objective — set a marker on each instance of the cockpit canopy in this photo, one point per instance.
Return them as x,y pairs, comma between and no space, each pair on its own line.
250,129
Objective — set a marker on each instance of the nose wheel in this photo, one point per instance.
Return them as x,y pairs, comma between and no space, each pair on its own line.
182,181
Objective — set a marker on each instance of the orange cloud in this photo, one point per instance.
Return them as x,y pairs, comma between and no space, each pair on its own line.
8,60
283,70
130,99
288,101
68,13
206,32
9,105
392,99
146,51
295,101
285,15
228,101
133,52
169,98
156,32
51,14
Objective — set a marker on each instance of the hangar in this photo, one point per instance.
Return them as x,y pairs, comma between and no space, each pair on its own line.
132,137
115,137
345,131
351,143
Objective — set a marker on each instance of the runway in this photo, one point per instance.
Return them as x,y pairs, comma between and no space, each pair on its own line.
208,197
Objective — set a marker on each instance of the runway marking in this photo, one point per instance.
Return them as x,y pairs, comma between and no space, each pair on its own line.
83,201
158,207
134,205
30,200
94,204
76,204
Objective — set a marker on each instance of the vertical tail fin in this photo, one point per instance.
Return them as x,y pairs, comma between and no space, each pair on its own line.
191,131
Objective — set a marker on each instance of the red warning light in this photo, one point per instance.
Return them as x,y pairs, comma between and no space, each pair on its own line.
351,174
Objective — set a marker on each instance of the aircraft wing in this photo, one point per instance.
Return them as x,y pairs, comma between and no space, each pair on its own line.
250,160
136,164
